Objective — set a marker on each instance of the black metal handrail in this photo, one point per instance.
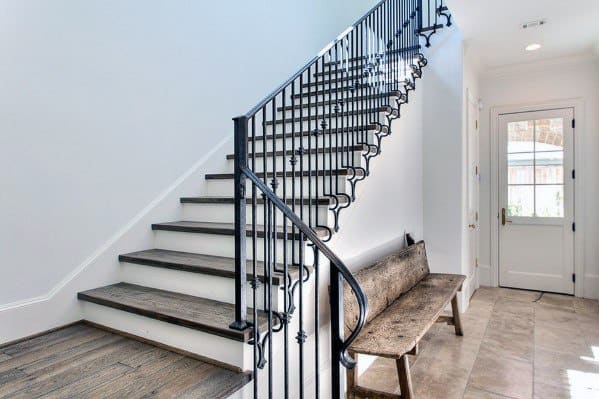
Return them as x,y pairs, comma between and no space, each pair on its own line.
342,269
329,118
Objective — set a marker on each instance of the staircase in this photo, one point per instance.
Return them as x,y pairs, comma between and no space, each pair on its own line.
242,281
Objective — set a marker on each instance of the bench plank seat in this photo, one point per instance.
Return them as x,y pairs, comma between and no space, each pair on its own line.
398,329
404,301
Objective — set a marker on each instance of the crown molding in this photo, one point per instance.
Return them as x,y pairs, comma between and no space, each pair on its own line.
513,69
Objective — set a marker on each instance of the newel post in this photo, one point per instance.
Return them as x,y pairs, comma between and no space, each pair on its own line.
239,180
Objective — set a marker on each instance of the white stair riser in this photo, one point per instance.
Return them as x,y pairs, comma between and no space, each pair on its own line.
224,213
219,245
224,187
338,159
202,285
225,350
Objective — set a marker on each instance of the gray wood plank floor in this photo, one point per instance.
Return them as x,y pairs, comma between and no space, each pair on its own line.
83,361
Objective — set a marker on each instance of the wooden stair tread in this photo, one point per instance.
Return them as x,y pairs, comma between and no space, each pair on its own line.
303,118
325,150
368,88
395,51
353,68
324,201
432,28
328,172
343,73
352,129
90,356
305,104
185,310
198,263
227,229
346,82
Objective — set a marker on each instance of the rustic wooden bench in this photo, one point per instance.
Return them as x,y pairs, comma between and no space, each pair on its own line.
404,301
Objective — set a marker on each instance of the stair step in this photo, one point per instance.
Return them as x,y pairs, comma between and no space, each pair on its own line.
227,229
360,67
363,88
396,51
386,93
432,28
345,82
197,263
350,100
341,114
334,172
230,201
343,75
184,310
326,150
289,135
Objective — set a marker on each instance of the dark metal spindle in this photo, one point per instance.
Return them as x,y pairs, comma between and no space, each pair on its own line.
376,60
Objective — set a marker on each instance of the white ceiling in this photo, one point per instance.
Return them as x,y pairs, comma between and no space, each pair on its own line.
492,29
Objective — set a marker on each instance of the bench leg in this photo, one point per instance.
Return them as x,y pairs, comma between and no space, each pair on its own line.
405,380
352,377
457,321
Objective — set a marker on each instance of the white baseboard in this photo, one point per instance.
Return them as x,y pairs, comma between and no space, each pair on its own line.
591,286
484,275
470,285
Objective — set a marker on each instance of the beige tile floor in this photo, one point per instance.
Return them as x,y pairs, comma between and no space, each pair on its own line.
515,346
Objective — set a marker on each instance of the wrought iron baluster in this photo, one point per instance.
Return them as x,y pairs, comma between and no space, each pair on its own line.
316,321
272,242
239,181
301,334
285,270
375,62
315,134
308,123
265,204
255,283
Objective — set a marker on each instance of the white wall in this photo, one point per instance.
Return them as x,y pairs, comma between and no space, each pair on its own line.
444,154
389,202
574,77
103,104
470,92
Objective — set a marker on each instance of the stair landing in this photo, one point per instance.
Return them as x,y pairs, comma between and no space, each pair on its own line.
84,361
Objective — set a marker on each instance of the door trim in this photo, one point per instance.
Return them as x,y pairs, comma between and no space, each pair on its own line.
578,106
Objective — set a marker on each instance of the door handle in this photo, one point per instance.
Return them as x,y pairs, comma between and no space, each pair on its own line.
503,219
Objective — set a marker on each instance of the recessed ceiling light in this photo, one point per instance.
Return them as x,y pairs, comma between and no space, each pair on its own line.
533,47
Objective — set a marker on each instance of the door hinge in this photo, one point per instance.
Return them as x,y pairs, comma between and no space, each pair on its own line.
476,124
573,277
476,216
476,262
573,123
573,226
573,173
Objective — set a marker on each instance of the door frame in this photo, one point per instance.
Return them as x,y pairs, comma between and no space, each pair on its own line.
471,101
577,104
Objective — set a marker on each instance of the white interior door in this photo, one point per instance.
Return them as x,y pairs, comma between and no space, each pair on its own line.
473,186
536,201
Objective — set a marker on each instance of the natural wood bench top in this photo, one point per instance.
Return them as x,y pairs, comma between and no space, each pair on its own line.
404,301
399,328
